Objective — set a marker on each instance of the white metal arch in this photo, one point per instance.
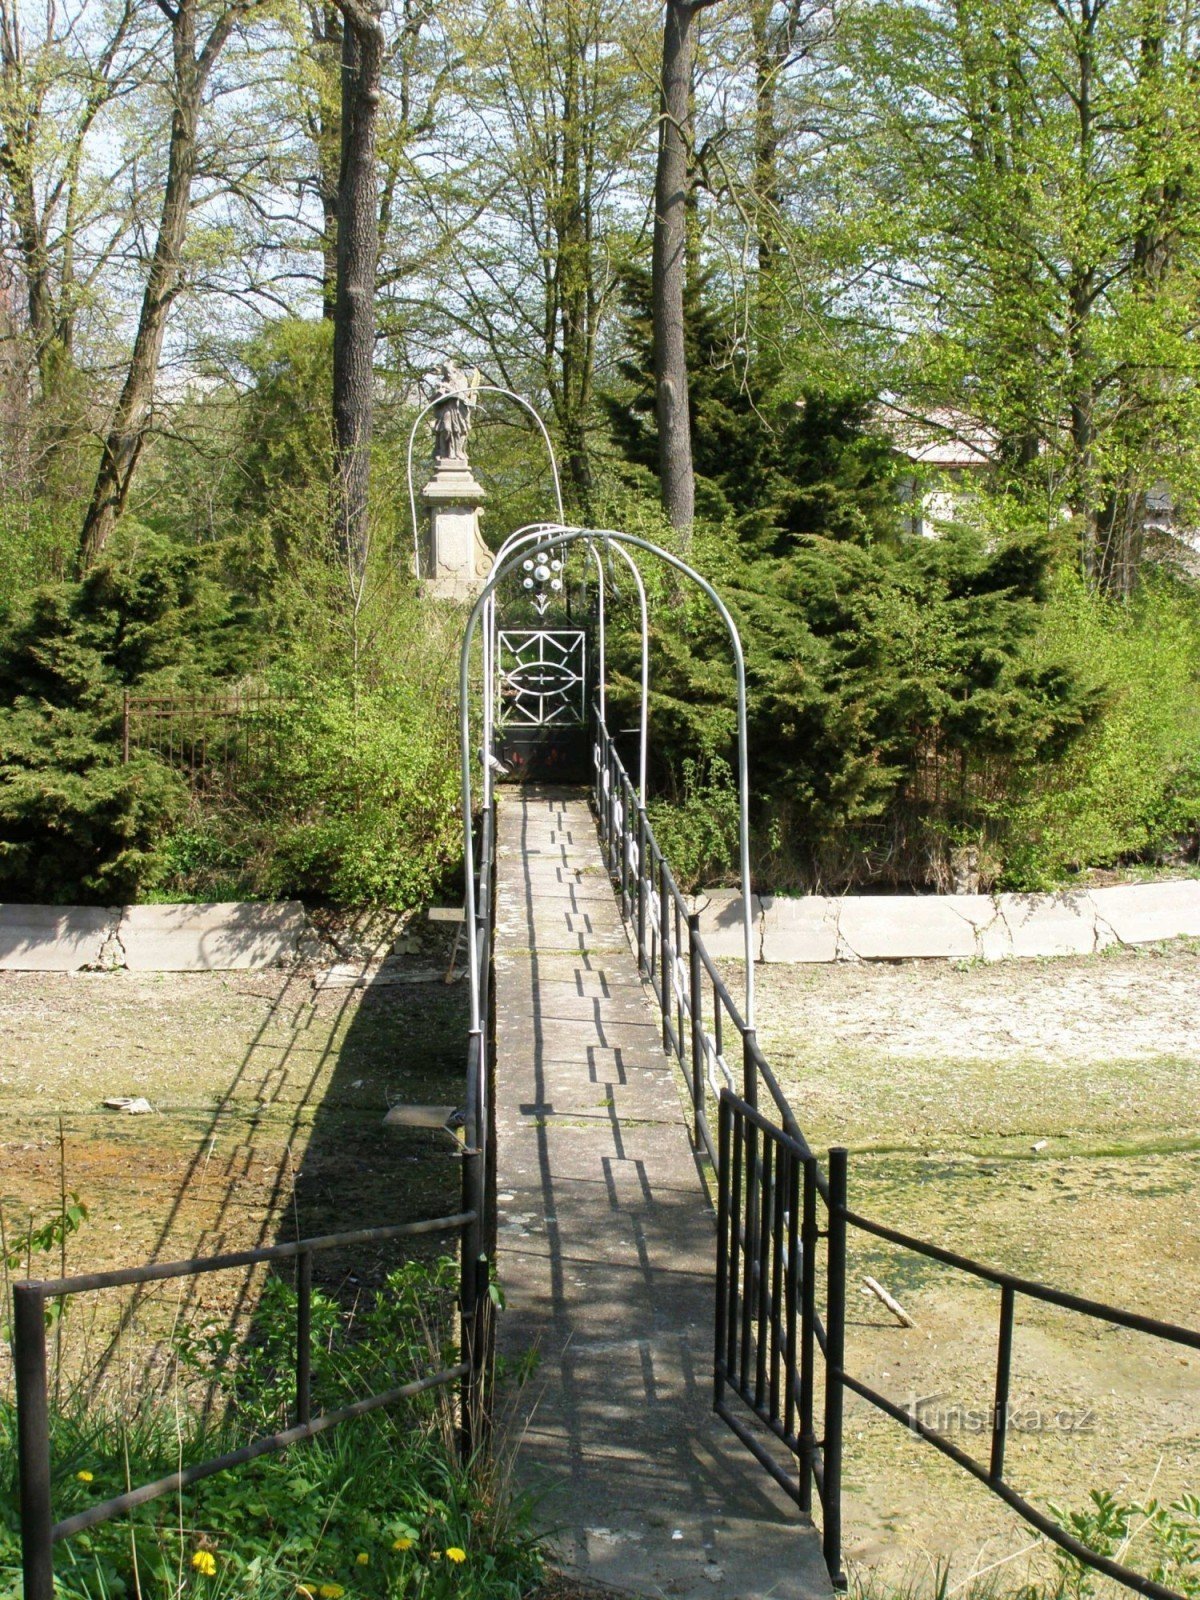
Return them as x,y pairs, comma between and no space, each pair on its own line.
501,570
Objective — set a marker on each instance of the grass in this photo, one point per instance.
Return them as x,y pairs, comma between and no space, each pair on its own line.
376,1508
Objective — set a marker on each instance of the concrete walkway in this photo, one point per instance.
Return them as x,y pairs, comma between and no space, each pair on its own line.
606,1250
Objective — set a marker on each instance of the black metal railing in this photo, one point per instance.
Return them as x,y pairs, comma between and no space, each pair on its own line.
769,1188
474,1223
209,737
39,1530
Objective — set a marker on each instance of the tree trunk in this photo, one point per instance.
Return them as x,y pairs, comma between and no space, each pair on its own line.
131,419
357,255
127,431
769,52
326,130
676,475
573,286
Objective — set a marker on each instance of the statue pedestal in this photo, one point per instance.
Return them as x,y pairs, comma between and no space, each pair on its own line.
455,561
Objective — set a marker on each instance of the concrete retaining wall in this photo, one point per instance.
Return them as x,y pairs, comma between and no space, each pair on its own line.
950,927
169,938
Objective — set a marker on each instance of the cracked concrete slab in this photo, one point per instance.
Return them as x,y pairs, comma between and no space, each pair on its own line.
1050,924
721,923
212,938
1141,913
927,925
54,938
801,928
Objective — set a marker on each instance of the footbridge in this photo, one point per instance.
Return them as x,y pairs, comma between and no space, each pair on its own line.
671,1253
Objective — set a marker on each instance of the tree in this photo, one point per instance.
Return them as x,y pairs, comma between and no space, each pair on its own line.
669,273
1027,206
194,53
53,89
549,175
357,254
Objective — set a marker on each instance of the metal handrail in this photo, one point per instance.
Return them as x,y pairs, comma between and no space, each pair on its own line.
754,1314
40,1532
474,1223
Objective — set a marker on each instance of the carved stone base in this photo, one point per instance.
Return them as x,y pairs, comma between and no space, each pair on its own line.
455,562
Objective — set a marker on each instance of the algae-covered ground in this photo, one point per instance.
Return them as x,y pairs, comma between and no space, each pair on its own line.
1043,1117
268,1092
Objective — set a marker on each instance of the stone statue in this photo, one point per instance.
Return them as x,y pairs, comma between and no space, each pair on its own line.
457,399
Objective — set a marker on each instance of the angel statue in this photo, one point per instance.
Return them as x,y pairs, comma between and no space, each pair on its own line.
457,396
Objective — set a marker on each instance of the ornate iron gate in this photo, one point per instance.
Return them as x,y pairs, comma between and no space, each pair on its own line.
542,703
541,680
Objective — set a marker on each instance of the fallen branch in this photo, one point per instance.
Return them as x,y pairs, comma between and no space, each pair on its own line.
892,1304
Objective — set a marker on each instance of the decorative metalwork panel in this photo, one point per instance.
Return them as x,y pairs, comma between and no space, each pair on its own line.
541,679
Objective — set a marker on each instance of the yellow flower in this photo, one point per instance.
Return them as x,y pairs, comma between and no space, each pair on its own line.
362,1559
402,1544
331,1591
455,1554
85,1476
303,1592
205,1562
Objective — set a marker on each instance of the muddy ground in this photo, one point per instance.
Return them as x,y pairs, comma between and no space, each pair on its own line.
1043,1117
268,1089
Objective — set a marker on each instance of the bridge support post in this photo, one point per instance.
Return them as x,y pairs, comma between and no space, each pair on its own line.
33,1441
643,966
835,1360
695,1005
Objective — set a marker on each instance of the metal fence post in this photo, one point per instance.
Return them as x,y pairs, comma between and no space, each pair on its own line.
471,1353
666,955
643,965
1003,1368
808,1318
33,1441
304,1272
835,1358
696,1004
749,1068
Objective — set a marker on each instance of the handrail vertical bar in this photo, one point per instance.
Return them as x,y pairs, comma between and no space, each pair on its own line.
749,1249
733,1288
33,1441
784,1169
304,1278
835,1357
1003,1371
472,1238
724,1210
696,991
665,954
808,1320
625,840
643,963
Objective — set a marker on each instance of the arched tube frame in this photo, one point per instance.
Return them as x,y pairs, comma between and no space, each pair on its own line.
605,536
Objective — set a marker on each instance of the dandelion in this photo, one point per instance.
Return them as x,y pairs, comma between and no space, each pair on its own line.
456,1555
362,1559
331,1591
84,1476
205,1563
402,1544
303,1592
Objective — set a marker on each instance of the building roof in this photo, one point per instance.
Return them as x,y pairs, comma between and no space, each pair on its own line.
942,437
